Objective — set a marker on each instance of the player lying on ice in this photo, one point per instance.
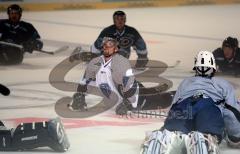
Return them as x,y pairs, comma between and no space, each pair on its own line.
28,136
204,111
228,57
112,74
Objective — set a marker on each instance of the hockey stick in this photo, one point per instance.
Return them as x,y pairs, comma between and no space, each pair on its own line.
42,51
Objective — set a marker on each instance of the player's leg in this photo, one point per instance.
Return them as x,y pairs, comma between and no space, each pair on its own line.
180,117
208,128
40,134
11,55
209,119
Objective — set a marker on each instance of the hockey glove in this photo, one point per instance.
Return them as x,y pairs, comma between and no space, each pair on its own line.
123,107
31,45
141,62
78,102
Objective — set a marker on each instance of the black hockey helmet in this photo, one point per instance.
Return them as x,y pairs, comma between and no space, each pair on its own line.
119,13
14,7
230,42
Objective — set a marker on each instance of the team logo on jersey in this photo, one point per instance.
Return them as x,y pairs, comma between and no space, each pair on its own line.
125,42
106,89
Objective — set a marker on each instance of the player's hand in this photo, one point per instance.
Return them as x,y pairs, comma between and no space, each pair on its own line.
123,107
141,62
31,45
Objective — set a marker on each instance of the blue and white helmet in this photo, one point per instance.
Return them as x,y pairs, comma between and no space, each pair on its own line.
205,64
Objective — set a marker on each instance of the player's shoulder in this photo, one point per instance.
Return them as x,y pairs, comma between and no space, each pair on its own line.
218,52
109,28
120,58
238,54
25,24
220,81
95,60
4,21
130,28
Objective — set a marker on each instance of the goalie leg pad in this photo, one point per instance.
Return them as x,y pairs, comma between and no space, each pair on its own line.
57,133
41,134
163,142
199,143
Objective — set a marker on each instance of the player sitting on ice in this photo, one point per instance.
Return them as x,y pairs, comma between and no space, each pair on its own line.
28,136
228,57
203,107
112,74
127,37
13,30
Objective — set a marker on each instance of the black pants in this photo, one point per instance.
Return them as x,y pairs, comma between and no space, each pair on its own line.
10,55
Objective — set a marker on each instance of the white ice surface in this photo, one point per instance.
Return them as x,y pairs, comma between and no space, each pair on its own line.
171,34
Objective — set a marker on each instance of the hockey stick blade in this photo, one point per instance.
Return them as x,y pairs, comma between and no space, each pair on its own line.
63,48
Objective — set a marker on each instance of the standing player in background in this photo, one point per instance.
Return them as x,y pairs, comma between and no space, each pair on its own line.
13,30
127,37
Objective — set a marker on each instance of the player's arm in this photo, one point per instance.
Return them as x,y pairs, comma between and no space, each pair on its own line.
141,49
78,101
33,41
128,89
231,116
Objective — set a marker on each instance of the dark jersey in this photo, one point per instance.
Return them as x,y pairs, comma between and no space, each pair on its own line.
128,38
227,66
17,33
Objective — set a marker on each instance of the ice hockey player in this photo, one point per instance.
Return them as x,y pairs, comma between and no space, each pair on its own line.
228,57
127,37
28,136
203,107
13,30
112,74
